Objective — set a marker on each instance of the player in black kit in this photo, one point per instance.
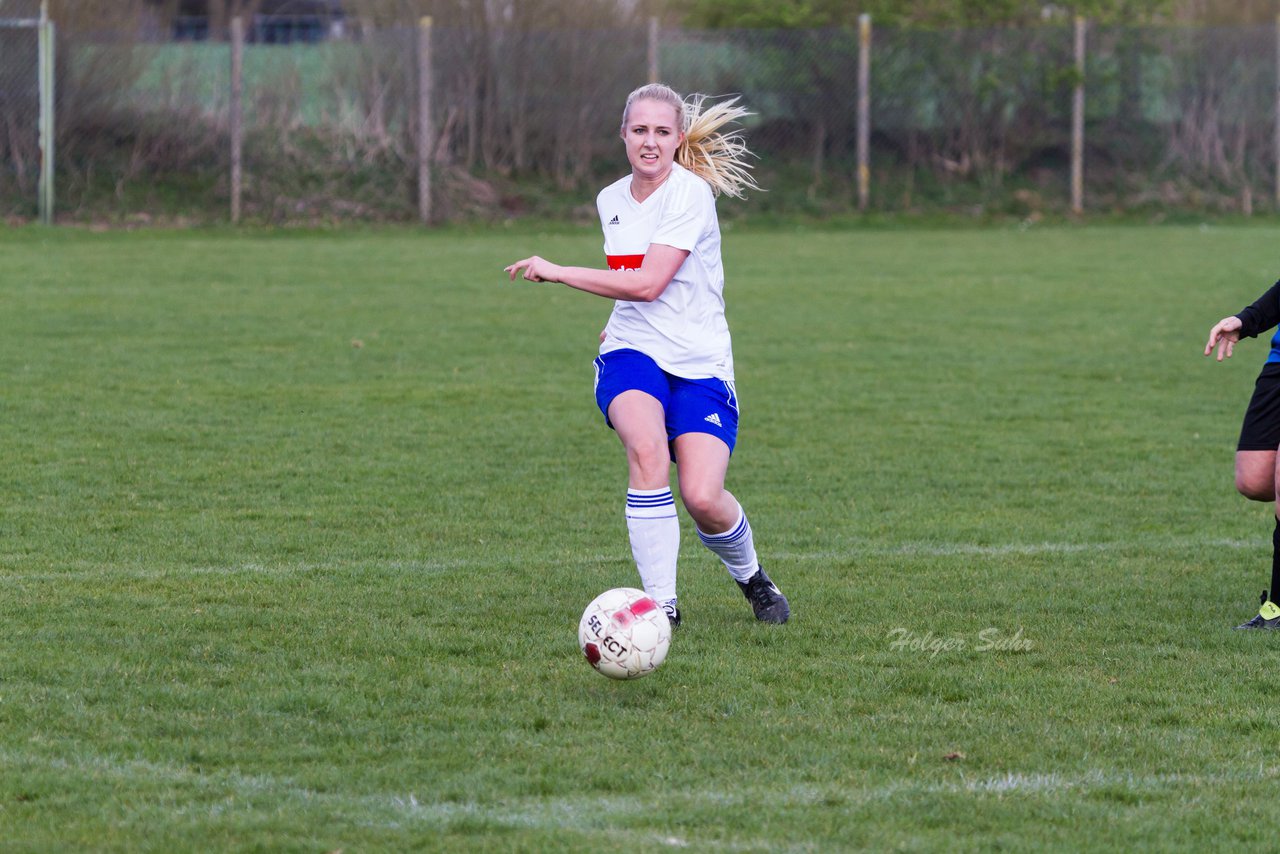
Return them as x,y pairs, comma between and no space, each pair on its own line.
1256,475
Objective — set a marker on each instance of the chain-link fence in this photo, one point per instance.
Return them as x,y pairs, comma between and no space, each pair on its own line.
19,107
526,121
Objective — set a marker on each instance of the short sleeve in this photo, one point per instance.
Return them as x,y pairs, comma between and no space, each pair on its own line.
685,216
600,203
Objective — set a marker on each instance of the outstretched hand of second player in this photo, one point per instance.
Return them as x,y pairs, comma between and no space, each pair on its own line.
536,269
1224,335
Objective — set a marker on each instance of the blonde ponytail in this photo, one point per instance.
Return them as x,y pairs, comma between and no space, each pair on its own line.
715,156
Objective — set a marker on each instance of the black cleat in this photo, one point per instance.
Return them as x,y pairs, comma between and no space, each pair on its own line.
1268,616
765,598
673,614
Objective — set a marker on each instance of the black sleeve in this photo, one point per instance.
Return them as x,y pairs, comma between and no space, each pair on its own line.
1262,315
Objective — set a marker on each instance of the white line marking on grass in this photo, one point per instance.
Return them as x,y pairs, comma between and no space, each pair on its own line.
855,551
226,793
135,572
961,549
218,793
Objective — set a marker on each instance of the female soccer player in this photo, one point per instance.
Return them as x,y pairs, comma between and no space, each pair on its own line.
1256,474
664,376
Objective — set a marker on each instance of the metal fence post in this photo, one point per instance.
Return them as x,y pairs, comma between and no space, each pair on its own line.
653,49
237,123
864,111
45,60
425,142
1077,123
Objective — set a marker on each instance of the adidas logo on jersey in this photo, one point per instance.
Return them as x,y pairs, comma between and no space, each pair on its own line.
714,418
614,221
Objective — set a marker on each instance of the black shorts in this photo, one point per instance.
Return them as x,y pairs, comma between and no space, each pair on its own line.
1261,428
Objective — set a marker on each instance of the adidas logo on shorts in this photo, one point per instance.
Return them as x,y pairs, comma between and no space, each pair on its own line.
714,418
614,221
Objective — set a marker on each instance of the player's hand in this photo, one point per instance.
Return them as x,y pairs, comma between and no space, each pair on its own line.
535,270
1224,335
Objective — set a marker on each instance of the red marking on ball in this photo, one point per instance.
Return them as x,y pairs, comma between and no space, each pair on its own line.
622,618
642,606
593,653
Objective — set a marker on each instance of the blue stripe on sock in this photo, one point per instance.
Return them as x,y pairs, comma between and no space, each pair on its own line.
660,500
728,538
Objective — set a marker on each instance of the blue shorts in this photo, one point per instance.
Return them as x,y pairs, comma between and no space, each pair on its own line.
691,406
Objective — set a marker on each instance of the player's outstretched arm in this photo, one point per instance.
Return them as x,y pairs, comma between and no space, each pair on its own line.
646,284
1224,335
536,269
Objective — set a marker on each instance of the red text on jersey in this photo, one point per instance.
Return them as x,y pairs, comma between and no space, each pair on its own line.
625,262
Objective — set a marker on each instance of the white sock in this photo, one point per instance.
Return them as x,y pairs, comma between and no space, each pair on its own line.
736,547
655,540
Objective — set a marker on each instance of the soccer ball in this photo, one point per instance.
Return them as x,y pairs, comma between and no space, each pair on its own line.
624,633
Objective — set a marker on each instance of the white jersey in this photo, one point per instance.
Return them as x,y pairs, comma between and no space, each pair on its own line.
684,330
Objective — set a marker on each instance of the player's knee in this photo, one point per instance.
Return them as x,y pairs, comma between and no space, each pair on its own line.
649,458
702,501
1255,488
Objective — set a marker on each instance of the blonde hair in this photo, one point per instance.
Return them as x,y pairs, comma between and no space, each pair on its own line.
716,156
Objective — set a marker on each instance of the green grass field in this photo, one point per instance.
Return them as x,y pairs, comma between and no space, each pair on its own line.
295,531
